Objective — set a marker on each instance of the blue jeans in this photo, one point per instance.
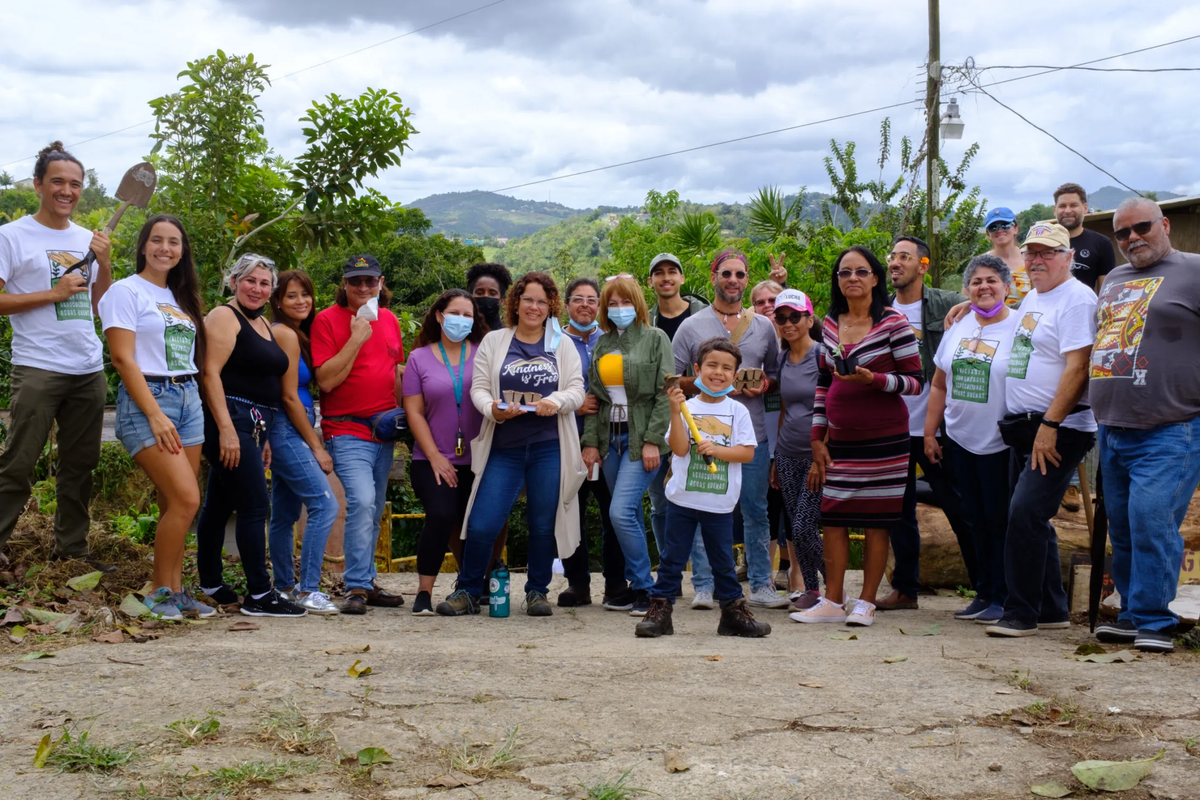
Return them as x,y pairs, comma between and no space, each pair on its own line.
536,467
627,482
756,523
362,467
297,481
702,577
982,486
1031,564
717,530
1149,478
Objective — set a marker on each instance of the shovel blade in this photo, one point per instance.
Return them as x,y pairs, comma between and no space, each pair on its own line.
137,187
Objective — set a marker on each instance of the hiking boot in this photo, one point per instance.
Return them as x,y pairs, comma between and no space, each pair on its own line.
191,607
897,602
1122,631
736,620
317,603
223,596
378,597
622,601
657,621
355,602
423,605
766,597
536,605
703,601
458,604
271,604
1072,500
162,605
574,596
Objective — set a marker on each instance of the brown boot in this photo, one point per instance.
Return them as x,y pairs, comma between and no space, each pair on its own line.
657,621
736,620
896,602
378,597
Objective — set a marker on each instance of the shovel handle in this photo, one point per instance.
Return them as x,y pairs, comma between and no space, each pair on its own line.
90,258
691,423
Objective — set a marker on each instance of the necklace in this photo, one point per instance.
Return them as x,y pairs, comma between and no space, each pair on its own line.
725,315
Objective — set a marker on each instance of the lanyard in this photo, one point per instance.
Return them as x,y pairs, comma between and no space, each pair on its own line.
456,378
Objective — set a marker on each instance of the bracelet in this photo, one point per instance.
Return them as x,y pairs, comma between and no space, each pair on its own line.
1050,423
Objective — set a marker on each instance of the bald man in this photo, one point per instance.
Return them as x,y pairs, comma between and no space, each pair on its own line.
1145,391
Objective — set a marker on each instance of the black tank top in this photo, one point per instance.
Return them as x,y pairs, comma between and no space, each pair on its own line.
254,367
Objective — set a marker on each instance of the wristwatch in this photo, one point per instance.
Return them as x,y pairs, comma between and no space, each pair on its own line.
1050,423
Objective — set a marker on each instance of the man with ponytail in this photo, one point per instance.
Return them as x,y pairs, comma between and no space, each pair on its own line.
57,372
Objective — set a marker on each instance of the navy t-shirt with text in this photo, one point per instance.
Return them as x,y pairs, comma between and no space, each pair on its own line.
528,369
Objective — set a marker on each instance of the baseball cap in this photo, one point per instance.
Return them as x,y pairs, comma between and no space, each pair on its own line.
1050,234
1000,214
793,298
664,258
361,265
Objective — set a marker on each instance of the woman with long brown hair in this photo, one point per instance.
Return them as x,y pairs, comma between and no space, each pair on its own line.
299,463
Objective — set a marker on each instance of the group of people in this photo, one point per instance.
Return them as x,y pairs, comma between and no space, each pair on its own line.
760,423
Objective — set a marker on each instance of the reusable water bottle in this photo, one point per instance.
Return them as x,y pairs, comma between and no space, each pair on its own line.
499,588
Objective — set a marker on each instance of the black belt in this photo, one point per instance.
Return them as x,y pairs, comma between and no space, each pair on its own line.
178,380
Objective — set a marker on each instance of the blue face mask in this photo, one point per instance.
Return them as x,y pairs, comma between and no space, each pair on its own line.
622,317
700,385
591,326
457,327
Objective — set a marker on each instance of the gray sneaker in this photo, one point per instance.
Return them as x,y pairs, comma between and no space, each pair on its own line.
317,603
766,597
190,606
162,604
292,595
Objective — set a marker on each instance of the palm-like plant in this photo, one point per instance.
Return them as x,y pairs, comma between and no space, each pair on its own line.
696,235
770,217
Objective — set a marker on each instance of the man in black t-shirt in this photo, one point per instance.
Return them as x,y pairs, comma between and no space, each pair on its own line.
1094,255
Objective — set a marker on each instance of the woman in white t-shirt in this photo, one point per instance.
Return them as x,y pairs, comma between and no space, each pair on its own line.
152,321
967,394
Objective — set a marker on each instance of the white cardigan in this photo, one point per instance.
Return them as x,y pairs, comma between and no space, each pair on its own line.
485,387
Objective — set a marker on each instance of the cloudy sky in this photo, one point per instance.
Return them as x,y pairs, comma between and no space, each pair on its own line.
529,89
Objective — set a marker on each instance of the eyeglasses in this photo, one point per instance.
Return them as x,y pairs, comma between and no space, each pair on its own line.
1030,255
363,280
861,273
1140,228
999,226
611,278
784,318
587,301
530,301
901,257
765,301
726,274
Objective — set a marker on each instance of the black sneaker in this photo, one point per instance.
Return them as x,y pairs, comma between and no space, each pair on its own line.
574,596
423,605
458,604
1149,641
1120,632
536,605
620,602
1008,626
272,604
224,596
641,604
1054,624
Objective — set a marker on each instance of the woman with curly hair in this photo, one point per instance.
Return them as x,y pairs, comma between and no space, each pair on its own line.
527,383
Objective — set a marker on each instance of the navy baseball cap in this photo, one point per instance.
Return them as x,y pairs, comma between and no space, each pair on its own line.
361,265
1000,214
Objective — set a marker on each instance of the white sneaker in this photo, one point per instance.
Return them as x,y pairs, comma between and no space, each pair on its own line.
863,614
703,601
766,597
317,603
824,611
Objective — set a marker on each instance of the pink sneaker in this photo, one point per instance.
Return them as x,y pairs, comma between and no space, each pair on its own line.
823,611
803,601
863,614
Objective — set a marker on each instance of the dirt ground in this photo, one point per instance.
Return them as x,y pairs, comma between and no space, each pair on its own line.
560,707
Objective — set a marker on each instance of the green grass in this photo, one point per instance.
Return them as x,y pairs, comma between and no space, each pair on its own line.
191,731
620,790
81,755
291,730
248,774
482,764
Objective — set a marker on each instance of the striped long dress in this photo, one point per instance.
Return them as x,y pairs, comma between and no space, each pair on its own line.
867,424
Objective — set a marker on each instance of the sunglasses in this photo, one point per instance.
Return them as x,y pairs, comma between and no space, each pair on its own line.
363,280
861,273
784,318
726,274
1140,228
612,278
999,226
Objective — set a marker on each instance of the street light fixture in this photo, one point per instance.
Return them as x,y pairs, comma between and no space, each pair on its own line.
951,123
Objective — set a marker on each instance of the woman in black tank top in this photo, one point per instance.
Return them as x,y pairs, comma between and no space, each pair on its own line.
244,367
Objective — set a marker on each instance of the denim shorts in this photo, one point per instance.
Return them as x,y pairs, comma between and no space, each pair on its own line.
181,404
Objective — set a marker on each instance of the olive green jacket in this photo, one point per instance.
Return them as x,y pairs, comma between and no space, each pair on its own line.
646,359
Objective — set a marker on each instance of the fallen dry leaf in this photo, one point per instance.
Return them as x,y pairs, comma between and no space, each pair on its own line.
12,616
453,779
51,722
153,624
347,651
242,625
811,685
1051,789
1123,657
895,659
845,637
356,671
1114,776
712,658
113,637
88,581
674,762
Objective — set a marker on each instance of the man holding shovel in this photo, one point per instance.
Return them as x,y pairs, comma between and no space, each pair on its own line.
56,355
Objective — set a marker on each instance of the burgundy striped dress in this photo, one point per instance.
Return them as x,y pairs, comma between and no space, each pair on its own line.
867,425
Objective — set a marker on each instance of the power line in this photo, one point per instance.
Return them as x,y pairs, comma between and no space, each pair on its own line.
1095,69
290,74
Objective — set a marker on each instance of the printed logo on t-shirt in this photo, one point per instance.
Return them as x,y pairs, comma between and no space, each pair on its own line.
1121,320
772,402
1020,288
718,429
179,337
1022,347
1084,253
532,373
77,306
971,369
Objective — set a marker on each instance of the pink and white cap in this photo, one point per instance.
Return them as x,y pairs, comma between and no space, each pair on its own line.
793,298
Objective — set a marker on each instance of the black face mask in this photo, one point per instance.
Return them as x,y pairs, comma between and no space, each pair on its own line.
252,315
490,306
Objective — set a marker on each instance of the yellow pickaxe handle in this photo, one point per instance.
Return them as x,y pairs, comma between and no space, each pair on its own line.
691,423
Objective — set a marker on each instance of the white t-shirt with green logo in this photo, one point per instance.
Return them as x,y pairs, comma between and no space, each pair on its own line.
164,336
975,360
691,485
59,337
1048,327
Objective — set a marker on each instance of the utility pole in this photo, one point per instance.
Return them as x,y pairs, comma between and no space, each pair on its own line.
933,88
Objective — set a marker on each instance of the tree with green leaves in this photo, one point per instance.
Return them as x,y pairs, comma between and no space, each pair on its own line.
772,218
6,179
